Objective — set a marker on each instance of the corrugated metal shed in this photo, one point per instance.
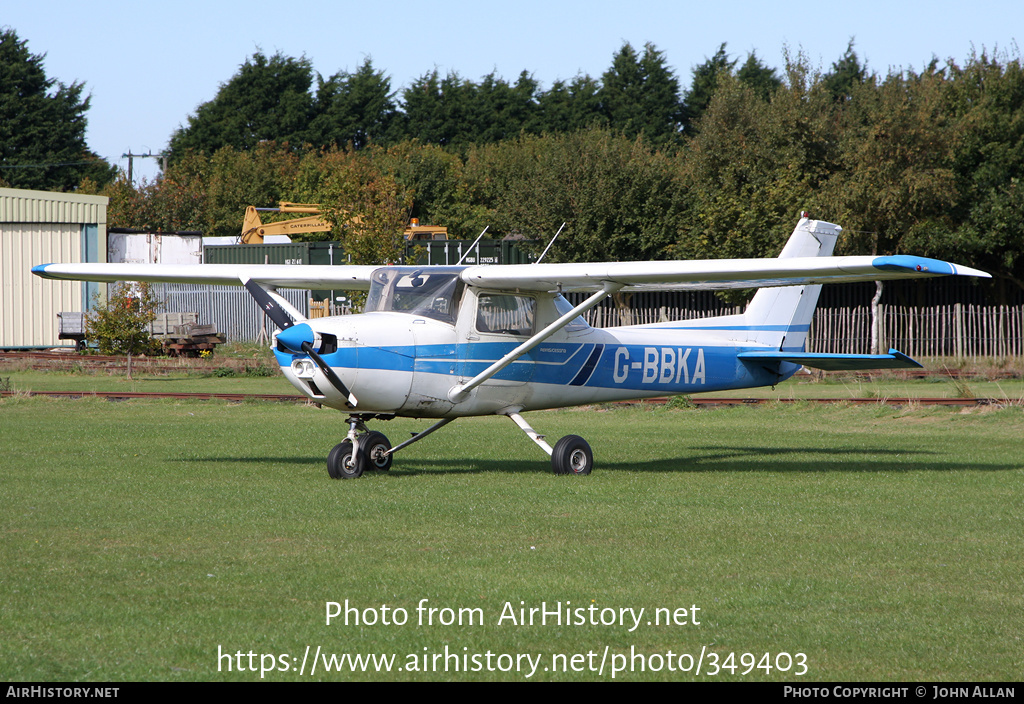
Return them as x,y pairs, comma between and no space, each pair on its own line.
39,227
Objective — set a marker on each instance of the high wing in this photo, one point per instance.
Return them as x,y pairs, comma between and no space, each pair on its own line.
349,277
710,274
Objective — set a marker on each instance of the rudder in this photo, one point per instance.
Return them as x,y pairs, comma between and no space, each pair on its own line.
780,317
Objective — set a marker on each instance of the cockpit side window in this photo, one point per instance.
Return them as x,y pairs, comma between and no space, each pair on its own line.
506,314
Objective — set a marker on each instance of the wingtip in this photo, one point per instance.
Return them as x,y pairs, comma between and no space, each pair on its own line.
968,271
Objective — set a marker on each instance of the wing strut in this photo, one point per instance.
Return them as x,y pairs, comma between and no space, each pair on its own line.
459,392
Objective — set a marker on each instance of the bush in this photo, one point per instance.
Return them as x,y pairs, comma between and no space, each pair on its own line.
122,325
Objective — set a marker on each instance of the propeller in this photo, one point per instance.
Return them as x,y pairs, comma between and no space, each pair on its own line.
271,307
296,337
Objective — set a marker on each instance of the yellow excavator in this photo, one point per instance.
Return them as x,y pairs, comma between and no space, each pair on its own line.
253,229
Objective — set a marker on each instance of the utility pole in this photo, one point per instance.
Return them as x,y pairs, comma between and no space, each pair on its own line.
131,162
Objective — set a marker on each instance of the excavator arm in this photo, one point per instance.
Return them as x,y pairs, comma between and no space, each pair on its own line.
253,229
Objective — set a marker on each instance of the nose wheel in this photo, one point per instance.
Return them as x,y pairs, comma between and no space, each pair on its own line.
342,463
362,450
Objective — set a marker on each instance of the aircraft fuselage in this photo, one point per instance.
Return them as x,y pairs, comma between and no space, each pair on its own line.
406,364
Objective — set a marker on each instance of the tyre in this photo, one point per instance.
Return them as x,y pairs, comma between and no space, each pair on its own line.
372,447
342,463
572,455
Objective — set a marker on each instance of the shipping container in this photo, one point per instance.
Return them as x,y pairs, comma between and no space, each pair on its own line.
449,252
289,253
137,247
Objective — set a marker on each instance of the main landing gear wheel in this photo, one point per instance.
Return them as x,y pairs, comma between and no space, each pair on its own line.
372,447
572,455
342,463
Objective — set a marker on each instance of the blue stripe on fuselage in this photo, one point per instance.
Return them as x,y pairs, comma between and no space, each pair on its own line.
657,368
588,367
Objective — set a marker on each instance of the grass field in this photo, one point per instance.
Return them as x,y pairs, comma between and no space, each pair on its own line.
143,539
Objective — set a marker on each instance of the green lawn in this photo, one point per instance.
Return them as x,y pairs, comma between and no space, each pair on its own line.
143,539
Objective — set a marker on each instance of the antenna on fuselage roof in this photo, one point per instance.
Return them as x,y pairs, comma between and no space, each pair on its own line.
466,253
549,244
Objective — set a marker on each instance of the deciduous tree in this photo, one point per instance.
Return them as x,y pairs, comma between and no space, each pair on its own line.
616,195
366,206
122,325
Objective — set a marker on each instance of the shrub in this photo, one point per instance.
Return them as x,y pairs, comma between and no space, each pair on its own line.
122,325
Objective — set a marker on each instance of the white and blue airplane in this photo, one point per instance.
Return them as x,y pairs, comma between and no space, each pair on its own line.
445,342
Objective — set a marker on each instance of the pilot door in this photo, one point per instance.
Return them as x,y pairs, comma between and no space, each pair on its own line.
494,324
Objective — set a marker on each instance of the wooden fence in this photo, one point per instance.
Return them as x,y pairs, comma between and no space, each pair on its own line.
956,330
607,316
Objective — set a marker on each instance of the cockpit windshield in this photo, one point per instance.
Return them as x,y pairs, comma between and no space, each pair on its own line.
417,292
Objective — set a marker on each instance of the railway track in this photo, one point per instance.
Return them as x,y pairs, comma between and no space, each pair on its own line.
129,395
706,401
68,361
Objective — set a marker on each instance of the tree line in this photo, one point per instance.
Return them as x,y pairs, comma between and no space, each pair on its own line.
42,125
283,99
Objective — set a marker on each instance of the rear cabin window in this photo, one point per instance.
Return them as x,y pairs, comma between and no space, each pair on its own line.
563,306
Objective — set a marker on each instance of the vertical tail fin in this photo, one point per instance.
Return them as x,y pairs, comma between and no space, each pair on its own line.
781,316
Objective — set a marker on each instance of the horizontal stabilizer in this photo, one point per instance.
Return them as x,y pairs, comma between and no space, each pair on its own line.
834,362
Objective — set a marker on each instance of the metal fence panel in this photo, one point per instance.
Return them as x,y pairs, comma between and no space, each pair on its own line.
230,308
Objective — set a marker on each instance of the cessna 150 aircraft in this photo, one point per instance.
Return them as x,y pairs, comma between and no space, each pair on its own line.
445,342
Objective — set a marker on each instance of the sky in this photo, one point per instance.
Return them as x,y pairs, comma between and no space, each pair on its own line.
149,65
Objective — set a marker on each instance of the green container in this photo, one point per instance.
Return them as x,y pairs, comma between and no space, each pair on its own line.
449,252
287,253
513,253
328,254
